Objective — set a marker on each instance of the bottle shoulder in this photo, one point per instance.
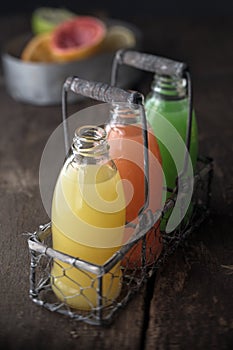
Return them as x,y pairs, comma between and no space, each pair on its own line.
161,104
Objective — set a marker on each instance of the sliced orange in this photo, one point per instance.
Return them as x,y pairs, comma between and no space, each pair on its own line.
77,38
38,49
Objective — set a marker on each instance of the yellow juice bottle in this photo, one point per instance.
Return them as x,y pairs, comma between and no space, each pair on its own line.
88,217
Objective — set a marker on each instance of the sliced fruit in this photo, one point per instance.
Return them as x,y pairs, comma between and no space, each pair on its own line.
118,37
45,19
38,49
77,38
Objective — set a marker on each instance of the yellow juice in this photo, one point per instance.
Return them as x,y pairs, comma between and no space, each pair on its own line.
88,217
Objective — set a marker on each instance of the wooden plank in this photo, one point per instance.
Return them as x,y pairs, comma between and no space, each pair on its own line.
192,304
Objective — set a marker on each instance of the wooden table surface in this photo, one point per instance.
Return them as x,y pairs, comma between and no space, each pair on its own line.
190,306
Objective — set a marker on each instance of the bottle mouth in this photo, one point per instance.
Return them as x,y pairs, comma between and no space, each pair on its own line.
170,86
90,133
90,140
125,113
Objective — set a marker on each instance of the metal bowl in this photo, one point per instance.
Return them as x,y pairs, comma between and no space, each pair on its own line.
41,83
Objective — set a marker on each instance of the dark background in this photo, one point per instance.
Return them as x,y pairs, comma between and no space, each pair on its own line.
190,306
129,8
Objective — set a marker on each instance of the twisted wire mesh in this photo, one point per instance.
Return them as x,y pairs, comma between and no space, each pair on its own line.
133,272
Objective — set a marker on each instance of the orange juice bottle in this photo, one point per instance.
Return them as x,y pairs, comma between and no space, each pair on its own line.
88,218
124,132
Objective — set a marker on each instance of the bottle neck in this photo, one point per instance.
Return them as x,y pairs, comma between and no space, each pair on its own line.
169,87
90,145
125,114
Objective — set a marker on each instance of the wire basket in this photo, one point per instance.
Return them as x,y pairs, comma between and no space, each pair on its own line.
149,243
132,278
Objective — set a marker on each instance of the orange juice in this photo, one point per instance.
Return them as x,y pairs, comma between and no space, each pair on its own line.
126,148
88,217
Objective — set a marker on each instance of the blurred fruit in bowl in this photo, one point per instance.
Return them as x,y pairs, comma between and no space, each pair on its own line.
35,66
73,39
45,19
117,37
38,49
77,38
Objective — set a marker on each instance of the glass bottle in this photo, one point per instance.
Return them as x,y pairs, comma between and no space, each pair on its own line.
168,101
88,218
124,133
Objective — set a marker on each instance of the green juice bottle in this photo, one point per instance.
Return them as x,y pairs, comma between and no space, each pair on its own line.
167,107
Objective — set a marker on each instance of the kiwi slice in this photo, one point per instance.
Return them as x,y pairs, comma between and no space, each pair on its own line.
45,19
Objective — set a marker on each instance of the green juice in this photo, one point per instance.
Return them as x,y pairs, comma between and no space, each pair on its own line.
167,112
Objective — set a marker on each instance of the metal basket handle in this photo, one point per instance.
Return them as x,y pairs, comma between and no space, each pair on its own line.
146,62
101,91
97,91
